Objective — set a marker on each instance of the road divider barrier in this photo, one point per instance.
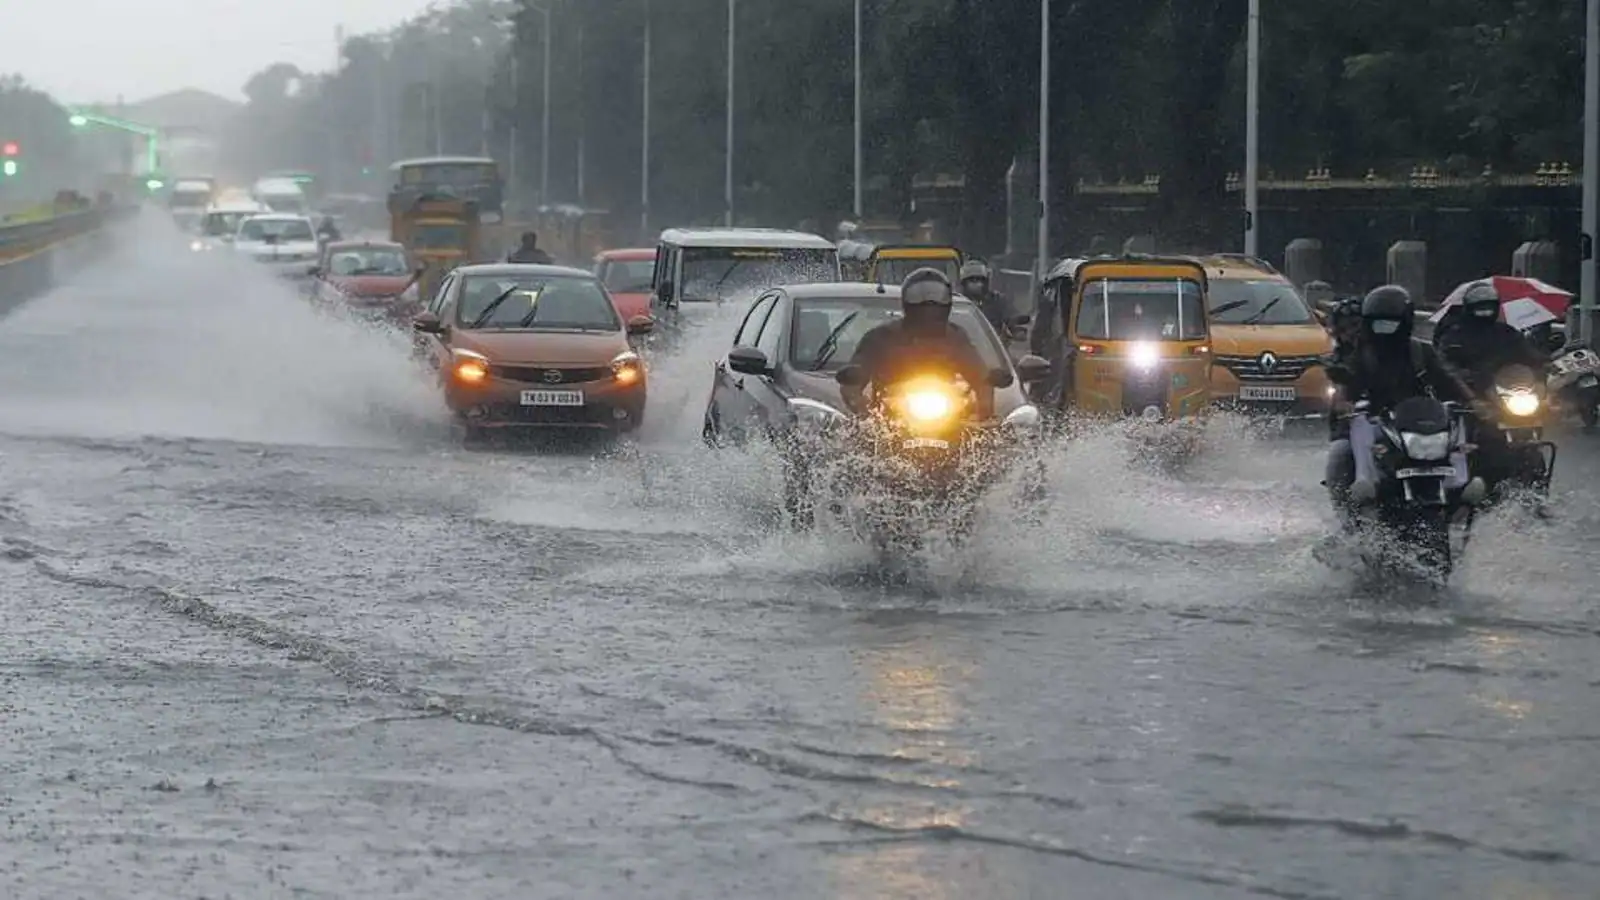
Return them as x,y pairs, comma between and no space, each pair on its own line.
41,247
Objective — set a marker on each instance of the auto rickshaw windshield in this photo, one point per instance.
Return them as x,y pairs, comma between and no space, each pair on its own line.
894,270
1142,309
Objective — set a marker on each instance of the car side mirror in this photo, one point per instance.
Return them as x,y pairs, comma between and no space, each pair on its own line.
427,323
851,376
641,325
748,361
1032,369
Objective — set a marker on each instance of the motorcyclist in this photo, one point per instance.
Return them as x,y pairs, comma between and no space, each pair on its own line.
976,286
1480,346
328,230
922,339
529,252
1345,325
1386,368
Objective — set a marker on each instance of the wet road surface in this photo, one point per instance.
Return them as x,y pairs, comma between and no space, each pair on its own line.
271,634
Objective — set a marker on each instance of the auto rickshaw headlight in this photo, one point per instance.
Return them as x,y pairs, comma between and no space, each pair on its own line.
1144,355
469,367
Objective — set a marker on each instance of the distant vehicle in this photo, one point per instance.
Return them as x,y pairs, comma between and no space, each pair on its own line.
285,243
710,265
282,195
471,178
374,280
627,275
221,222
189,198
525,346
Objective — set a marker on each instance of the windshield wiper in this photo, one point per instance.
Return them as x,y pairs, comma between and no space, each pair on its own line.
1230,306
830,343
493,305
715,288
1256,316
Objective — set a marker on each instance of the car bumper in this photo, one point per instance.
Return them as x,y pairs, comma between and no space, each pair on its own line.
606,406
1307,397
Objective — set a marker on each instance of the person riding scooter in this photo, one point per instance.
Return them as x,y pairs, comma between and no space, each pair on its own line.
977,286
1479,346
1385,368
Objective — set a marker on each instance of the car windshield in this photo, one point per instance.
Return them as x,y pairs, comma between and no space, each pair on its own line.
710,273
538,303
220,224
894,271
368,261
439,236
1259,303
283,229
284,202
815,320
1142,309
628,276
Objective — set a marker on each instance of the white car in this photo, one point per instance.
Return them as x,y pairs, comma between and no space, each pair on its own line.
221,222
285,243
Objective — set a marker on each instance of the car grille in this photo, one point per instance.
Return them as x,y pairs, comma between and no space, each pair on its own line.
541,375
1248,368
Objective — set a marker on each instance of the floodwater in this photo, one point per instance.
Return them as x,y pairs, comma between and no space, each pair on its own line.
271,633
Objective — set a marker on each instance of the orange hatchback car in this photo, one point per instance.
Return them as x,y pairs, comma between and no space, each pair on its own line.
527,346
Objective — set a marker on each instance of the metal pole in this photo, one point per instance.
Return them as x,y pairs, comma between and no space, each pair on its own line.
1042,254
1251,127
644,165
1591,170
513,179
727,175
582,119
858,149
544,128
435,104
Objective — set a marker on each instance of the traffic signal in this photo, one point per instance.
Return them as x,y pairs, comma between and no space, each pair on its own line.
9,168
11,148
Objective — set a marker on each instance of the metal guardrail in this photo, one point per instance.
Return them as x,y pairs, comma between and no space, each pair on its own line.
21,238
35,254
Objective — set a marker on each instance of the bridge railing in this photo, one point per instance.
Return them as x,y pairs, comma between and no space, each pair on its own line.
39,245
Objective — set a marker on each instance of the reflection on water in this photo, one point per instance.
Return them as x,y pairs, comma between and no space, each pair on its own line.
911,686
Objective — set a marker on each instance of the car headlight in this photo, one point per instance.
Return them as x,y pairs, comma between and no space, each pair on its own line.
1025,416
813,413
469,367
627,368
197,245
1519,401
1144,355
1426,446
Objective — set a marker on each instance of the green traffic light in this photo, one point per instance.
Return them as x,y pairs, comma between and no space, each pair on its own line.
78,121
153,184
10,167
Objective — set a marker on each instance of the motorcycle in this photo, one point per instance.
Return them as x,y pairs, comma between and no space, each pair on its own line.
1412,511
1575,381
913,467
1526,459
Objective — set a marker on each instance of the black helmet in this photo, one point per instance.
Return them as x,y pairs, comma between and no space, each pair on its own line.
1481,302
1387,312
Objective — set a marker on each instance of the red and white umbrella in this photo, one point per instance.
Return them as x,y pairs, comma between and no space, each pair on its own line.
1524,302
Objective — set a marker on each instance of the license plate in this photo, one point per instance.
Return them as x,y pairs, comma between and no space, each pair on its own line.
1262,392
552,398
926,443
1428,472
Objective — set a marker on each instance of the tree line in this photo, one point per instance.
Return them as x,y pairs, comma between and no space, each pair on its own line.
1138,88
47,150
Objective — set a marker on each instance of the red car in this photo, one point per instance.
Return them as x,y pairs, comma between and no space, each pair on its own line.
373,279
627,275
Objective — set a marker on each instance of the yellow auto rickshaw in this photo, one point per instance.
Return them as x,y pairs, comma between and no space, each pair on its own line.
440,233
1132,336
891,263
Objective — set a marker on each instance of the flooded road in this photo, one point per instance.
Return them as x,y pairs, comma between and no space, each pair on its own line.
271,633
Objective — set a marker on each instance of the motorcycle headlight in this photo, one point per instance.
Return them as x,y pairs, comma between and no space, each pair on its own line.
627,368
1426,447
927,406
469,367
813,414
1519,401
1025,416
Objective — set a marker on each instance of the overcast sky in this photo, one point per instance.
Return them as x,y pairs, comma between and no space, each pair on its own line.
85,51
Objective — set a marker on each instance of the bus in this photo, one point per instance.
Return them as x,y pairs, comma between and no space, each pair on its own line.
470,178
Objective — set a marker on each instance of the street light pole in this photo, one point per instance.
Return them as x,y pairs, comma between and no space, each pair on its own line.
544,127
1591,170
644,164
727,174
1251,126
858,150
1042,253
